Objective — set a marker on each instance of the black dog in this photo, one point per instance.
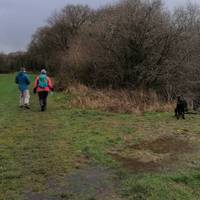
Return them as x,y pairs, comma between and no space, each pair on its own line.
181,107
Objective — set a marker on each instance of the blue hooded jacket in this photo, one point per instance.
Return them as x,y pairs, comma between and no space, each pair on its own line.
22,80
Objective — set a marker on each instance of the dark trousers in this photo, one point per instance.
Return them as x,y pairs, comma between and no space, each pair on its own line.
43,99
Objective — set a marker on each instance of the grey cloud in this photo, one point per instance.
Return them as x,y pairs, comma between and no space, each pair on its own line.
171,4
20,18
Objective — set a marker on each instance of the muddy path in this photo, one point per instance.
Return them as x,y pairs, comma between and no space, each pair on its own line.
91,183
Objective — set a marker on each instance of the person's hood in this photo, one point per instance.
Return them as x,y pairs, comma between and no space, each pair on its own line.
43,71
21,73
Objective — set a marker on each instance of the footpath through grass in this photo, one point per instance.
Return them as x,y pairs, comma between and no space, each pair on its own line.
82,154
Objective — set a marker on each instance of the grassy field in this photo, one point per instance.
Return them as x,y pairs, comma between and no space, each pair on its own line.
90,155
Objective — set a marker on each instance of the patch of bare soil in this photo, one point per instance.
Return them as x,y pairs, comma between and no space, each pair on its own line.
165,144
154,155
136,164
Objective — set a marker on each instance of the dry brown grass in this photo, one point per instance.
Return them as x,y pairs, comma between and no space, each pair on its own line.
120,101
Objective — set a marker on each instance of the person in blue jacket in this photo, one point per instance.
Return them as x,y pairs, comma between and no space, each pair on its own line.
23,81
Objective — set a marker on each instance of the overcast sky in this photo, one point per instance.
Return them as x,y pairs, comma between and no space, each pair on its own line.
19,19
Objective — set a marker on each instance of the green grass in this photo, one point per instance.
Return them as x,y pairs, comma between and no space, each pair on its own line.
36,147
